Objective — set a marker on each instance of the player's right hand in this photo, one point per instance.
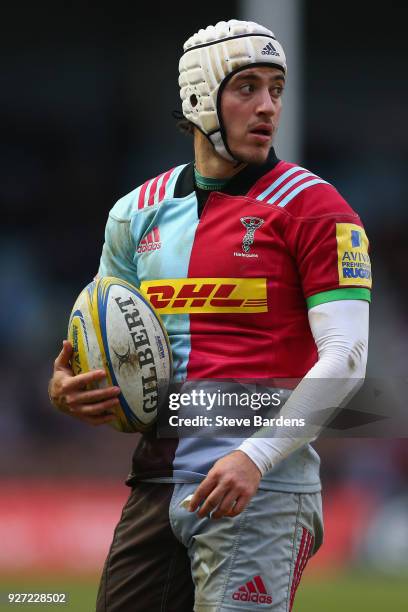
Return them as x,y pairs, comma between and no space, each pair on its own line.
69,393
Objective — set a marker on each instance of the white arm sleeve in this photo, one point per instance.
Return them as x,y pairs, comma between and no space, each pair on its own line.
340,330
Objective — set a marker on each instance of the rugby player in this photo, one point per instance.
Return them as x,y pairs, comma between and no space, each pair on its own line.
216,524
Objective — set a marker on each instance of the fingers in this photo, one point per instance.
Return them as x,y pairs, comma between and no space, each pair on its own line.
76,395
65,385
75,398
62,361
100,409
72,398
221,494
72,384
211,496
240,505
222,502
225,506
202,491
212,502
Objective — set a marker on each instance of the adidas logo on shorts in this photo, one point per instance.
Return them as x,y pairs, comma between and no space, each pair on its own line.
269,49
254,591
151,242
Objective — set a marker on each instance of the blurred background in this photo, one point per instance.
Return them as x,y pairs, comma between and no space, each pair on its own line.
85,105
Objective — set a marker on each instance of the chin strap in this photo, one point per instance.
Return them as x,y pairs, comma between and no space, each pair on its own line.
215,139
217,142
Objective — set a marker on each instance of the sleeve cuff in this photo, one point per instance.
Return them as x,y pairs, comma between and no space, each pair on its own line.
351,293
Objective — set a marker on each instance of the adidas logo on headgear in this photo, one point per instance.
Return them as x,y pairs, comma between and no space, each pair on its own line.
269,49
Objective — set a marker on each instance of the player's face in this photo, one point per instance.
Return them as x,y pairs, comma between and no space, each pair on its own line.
251,105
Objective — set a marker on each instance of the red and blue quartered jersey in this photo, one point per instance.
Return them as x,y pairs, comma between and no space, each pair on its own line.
234,284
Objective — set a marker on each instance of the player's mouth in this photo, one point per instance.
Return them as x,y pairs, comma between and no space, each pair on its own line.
262,132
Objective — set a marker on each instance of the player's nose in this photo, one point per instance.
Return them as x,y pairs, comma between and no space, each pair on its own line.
265,103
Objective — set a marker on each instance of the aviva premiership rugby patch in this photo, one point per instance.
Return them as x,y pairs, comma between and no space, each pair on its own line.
352,252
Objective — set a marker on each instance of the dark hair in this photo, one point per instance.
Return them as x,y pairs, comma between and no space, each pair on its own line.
184,125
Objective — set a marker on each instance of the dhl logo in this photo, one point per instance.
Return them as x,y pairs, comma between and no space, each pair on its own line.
205,295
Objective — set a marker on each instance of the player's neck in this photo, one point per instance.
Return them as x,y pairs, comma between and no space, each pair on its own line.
209,163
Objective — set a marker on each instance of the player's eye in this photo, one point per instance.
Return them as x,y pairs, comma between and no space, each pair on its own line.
247,88
276,91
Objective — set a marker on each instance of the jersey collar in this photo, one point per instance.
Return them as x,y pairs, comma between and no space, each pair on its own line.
240,184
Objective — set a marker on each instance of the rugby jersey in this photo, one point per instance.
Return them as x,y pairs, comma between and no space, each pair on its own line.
233,285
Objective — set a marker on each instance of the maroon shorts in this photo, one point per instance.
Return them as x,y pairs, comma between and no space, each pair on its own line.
147,568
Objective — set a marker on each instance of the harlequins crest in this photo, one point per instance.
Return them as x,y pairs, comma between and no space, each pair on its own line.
251,224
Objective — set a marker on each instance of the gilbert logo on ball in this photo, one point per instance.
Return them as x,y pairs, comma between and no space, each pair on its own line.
113,327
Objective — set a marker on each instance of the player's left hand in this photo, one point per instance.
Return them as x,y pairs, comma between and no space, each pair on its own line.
227,488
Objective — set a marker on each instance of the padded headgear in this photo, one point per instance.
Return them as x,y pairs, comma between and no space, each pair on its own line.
210,58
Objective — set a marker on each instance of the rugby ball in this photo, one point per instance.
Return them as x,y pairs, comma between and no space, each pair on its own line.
113,327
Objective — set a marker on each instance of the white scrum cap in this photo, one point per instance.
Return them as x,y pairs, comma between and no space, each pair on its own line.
210,58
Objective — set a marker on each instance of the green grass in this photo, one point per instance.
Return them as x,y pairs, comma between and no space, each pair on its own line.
349,592
353,592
